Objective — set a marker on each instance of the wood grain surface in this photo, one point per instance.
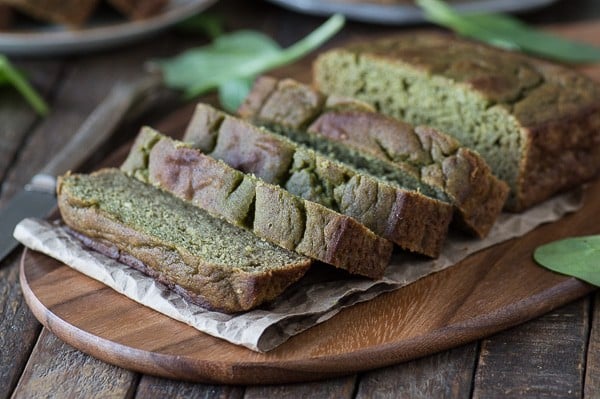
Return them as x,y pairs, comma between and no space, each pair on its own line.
487,292
555,346
425,377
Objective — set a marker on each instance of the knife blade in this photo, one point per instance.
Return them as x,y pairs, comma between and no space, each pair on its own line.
38,198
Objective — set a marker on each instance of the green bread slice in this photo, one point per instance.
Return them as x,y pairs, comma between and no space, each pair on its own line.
271,212
413,221
417,158
207,260
535,123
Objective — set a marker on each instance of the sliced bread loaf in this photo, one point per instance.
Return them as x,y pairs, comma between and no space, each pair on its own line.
415,222
139,9
206,259
6,17
70,12
419,158
269,211
536,124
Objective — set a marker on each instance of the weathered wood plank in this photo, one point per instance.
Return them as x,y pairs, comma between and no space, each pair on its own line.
592,369
56,369
16,116
154,387
85,82
17,179
444,375
570,11
338,388
544,358
16,119
18,328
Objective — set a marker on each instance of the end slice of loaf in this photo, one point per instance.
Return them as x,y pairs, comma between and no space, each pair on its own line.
415,222
536,124
139,9
419,158
268,210
208,260
69,12
6,17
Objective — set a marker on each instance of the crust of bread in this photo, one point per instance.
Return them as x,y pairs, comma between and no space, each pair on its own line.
207,284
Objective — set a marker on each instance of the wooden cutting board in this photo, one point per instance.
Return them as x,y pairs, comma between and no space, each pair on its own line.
487,292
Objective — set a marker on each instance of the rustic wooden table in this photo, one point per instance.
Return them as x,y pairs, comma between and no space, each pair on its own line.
556,355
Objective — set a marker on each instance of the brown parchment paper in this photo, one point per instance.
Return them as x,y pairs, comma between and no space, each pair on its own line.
305,304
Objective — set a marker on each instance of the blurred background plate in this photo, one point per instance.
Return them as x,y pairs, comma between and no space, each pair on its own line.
399,14
104,30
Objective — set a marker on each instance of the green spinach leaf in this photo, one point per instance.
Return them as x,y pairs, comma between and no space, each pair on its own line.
577,256
232,93
507,32
207,24
9,75
199,70
238,58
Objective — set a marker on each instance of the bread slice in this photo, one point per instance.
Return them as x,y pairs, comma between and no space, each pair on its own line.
208,260
269,211
69,12
138,9
413,221
6,17
536,124
419,158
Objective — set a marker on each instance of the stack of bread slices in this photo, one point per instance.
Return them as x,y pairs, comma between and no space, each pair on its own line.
333,174
75,13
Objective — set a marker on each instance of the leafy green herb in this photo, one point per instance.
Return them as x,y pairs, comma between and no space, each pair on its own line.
232,93
234,60
207,24
9,75
507,32
578,257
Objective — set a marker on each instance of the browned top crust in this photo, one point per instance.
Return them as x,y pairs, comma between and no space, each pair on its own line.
207,260
436,159
139,9
6,17
70,12
536,91
269,211
536,123
413,221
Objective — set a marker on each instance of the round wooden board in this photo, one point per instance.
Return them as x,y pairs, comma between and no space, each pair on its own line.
487,292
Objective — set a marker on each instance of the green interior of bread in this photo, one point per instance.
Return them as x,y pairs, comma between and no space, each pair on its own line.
176,223
394,174
421,99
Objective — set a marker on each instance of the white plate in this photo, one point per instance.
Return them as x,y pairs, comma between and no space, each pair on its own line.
99,33
401,14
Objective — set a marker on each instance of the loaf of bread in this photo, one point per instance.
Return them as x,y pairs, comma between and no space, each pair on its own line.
69,12
6,17
269,211
413,221
207,260
536,124
419,158
75,13
138,9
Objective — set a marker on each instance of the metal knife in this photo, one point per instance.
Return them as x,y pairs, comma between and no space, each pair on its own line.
38,198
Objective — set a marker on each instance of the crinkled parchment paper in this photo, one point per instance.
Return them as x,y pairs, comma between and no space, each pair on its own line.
305,304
